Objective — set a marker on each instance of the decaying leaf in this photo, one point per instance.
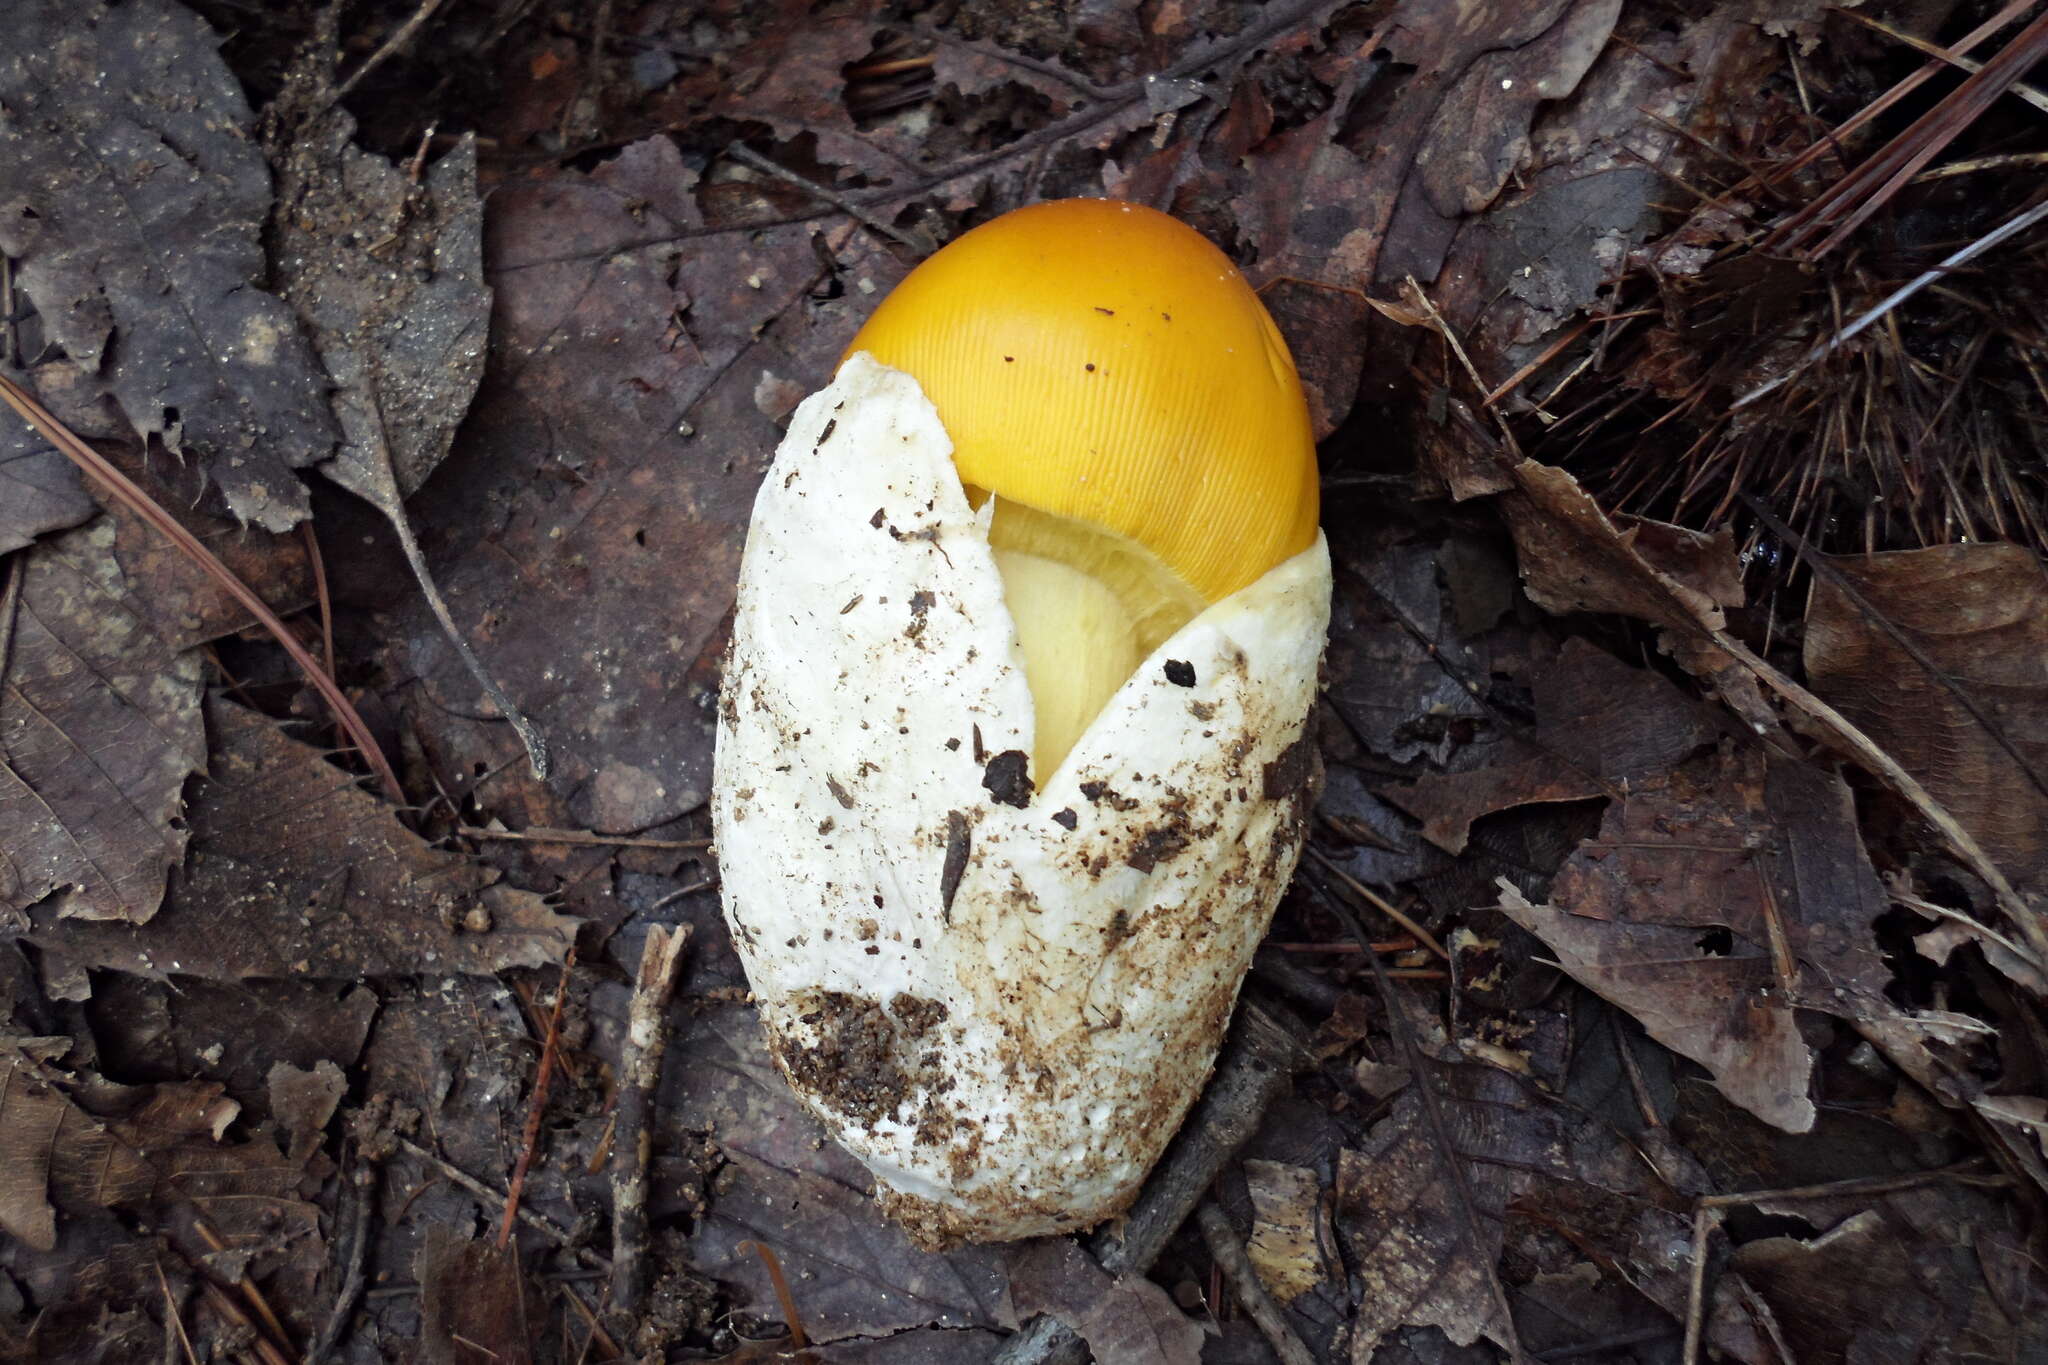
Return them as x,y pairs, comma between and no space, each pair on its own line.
35,1121
99,728
1969,715
75,1144
1399,1213
472,1300
1126,1320
1600,727
1717,900
793,1191
134,209
1289,1228
295,871
1931,1274
613,457
39,488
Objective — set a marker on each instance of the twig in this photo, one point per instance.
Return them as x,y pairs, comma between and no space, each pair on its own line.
1254,1073
130,495
1707,1216
246,1286
639,1074
542,1075
1886,769
1237,1268
1939,53
1704,1221
1432,1113
174,1323
1379,903
2009,162
400,36
1871,185
1823,568
741,152
393,508
797,1339
10,338
560,1236
224,1304
355,1256
1073,79
319,563
540,835
1897,297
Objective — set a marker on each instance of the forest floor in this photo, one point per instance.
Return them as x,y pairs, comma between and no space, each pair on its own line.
1665,974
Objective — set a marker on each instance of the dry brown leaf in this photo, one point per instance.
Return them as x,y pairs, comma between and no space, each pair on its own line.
1715,903
1600,726
1979,615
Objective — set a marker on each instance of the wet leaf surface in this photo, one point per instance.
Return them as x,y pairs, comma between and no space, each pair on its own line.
99,728
295,871
134,215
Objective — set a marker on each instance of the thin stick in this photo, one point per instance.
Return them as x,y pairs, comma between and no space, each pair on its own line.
400,36
1897,297
1256,1071
640,1074
131,496
1942,54
1380,903
1823,568
541,835
542,1074
254,1296
1433,1117
1230,1257
1703,1224
319,563
491,1198
174,1318
740,152
355,1256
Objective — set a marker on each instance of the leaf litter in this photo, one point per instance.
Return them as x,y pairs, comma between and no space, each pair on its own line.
1659,926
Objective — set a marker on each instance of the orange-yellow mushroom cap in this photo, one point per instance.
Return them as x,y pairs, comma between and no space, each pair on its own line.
1101,361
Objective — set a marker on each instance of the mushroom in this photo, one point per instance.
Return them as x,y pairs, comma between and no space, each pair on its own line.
1011,767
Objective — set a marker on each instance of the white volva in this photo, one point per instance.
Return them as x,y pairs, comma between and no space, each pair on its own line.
1002,1002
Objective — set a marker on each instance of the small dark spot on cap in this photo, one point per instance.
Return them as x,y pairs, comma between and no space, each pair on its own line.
876,520
953,744
1009,360
1066,819
839,793
1106,312
1008,778
831,425
825,825
1180,672
1090,367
